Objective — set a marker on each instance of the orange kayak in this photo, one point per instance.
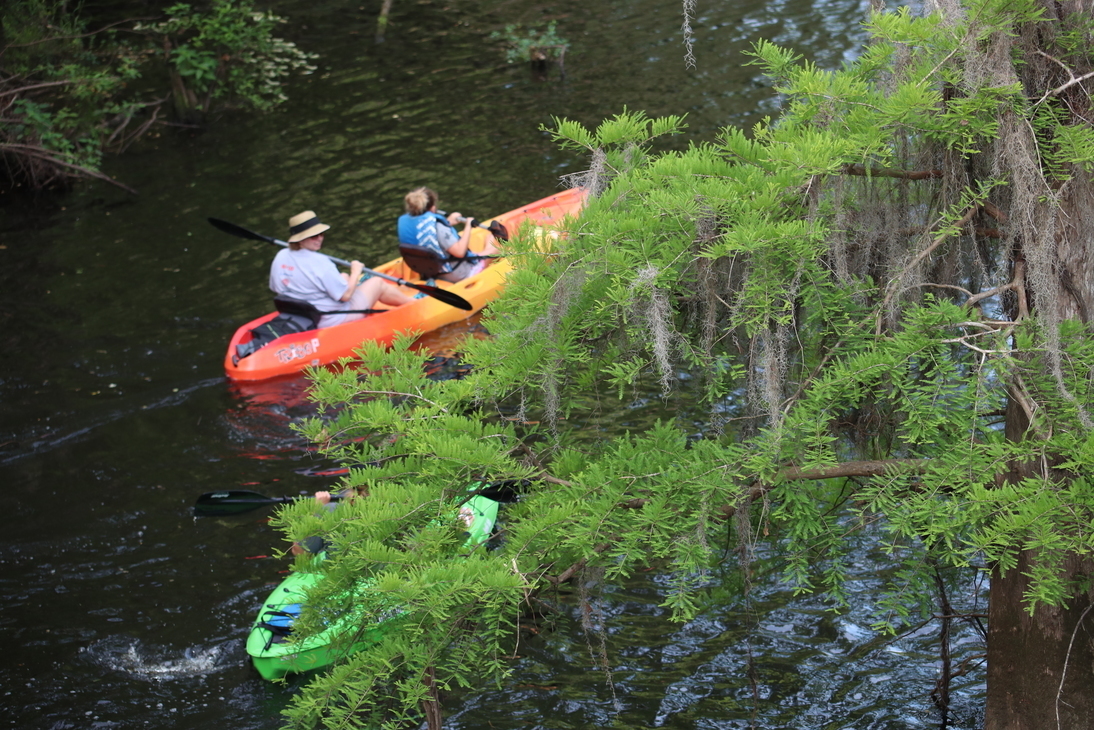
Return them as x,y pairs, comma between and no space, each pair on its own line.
293,353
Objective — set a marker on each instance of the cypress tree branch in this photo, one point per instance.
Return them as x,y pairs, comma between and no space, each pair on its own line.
864,468
1012,285
1060,89
993,210
864,171
942,238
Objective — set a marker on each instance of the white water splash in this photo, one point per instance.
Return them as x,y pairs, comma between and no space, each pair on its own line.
155,663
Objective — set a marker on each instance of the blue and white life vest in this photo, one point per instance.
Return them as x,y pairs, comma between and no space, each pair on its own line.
421,230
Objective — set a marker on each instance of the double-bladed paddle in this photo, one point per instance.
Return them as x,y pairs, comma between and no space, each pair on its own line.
450,298
238,501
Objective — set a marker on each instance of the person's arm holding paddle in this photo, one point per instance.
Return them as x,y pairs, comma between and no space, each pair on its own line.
356,268
324,498
460,248
328,501
443,295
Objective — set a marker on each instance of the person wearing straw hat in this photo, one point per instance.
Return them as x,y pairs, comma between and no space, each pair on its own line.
300,272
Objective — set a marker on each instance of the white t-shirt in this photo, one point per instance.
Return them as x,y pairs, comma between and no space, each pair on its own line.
308,277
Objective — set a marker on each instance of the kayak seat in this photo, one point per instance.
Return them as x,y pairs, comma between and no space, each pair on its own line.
276,629
421,260
278,634
279,622
295,307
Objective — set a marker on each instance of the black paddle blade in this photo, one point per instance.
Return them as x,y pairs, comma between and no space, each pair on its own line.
239,231
233,502
505,491
499,230
450,298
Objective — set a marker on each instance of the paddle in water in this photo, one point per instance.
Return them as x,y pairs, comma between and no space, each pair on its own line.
238,501
450,298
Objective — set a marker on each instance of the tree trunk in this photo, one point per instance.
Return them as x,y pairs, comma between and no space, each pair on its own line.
1074,263
1028,656
183,99
431,706
1041,666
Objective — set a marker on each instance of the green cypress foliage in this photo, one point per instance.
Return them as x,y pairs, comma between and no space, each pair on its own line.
854,297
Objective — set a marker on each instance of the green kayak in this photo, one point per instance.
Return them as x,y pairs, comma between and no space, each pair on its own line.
276,652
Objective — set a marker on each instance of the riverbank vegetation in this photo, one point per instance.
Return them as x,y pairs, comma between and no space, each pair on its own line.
537,46
70,93
886,296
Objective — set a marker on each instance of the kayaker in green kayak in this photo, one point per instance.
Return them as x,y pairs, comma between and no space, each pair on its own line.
274,649
316,544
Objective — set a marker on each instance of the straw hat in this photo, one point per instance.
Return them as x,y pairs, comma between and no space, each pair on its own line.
305,225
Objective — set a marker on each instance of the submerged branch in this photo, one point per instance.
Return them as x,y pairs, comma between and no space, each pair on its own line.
44,155
864,171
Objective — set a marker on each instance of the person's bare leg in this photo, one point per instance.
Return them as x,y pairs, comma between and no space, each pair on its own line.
393,295
366,294
489,248
377,290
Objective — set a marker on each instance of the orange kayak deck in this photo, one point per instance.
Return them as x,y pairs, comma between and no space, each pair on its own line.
313,348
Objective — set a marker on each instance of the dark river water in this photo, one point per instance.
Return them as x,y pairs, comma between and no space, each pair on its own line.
121,610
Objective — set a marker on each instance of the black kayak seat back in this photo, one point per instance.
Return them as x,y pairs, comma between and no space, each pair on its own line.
279,622
421,260
284,616
274,638
285,305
